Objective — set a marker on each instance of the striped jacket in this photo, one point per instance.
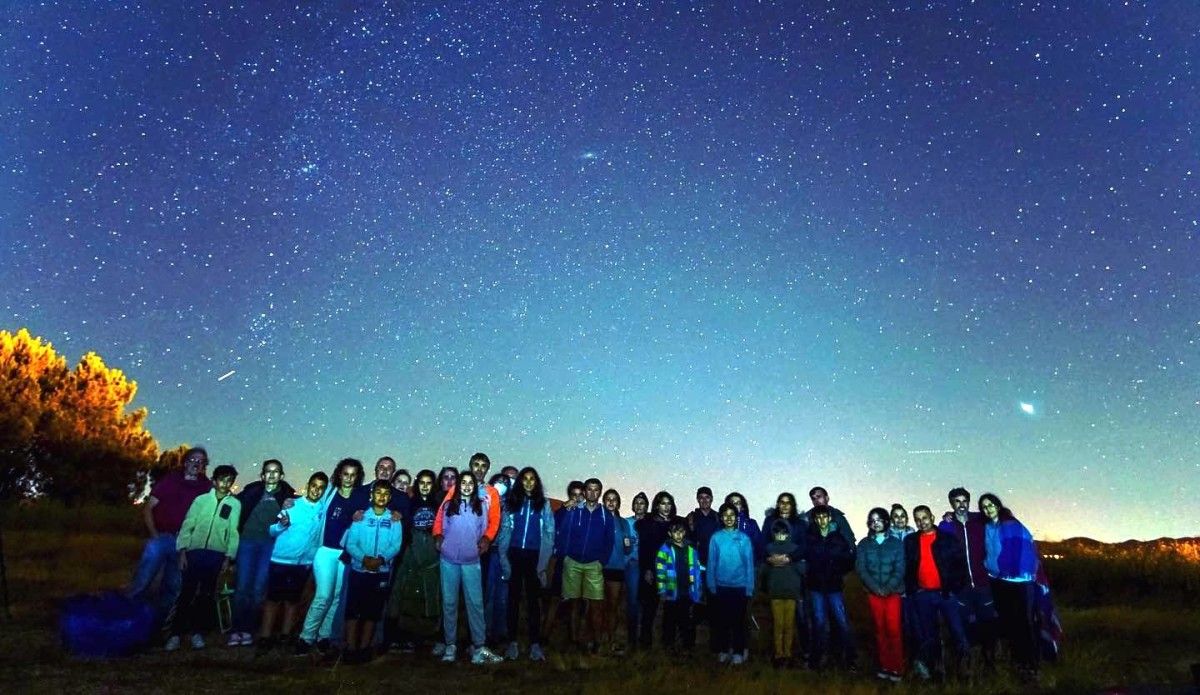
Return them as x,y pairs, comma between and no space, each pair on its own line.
664,572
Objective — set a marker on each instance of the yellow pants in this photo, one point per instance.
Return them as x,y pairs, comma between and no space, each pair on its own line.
783,613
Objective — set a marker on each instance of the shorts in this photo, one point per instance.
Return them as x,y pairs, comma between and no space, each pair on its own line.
582,580
285,583
615,576
366,595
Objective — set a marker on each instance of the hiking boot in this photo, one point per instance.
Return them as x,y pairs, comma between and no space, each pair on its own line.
512,652
449,652
535,652
172,644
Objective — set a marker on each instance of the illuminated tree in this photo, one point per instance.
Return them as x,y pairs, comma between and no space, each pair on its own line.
66,433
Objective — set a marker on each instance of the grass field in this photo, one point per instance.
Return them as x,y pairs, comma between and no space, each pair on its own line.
1144,645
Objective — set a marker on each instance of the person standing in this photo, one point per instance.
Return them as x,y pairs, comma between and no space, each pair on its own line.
788,511
329,572
975,599
262,502
1012,562
652,533
297,533
678,579
829,558
207,543
615,568
415,606
372,543
730,579
933,576
880,565
530,544
583,542
784,584
633,581
820,498
163,513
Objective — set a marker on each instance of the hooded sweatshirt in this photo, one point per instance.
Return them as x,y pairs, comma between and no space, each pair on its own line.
730,561
586,536
461,533
296,543
376,535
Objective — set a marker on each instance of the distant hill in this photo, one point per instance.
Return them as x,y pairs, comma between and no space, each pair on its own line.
1188,548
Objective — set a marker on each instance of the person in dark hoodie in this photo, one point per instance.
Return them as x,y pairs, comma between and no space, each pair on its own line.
975,599
933,576
652,533
784,585
262,501
702,523
880,565
747,525
414,609
584,542
829,559
820,498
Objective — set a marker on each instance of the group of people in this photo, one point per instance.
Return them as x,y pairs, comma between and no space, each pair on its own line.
351,568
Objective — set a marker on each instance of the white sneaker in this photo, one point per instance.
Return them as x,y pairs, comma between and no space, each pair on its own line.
723,658
439,649
483,655
235,639
536,653
449,653
513,652
172,643
197,641
247,639
738,659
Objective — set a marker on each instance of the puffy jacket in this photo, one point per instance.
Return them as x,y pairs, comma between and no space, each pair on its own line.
881,565
211,524
947,555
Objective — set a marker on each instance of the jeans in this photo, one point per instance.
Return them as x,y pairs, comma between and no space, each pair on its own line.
632,607
889,636
1017,605
197,606
524,581
979,618
727,616
677,619
159,554
253,565
927,605
496,599
827,608
329,574
468,578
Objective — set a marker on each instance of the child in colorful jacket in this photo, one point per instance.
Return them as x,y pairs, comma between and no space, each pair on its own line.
678,578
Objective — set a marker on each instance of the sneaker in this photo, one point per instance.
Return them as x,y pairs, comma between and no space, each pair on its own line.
483,655
439,649
324,645
512,652
883,675
921,670
198,641
235,639
407,647
449,651
302,648
723,658
247,639
738,660
536,653
895,677
172,644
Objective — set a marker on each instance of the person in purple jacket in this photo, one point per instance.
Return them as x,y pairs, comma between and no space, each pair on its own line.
584,540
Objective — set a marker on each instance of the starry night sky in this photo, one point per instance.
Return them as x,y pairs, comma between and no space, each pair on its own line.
761,246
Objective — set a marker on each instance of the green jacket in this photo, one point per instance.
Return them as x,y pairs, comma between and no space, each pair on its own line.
881,565
211,525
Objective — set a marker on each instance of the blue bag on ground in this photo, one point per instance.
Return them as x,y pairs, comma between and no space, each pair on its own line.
105,625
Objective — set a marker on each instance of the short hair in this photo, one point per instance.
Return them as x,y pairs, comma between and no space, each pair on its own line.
269,462
704,490
381,459
481,458
195,450
224,471
677,523
402,471
381,485
514,469
897,505
814,491
640,496
593,481
821,509
922,508
730,507
780,526
574,484
955,492
613,491
319,475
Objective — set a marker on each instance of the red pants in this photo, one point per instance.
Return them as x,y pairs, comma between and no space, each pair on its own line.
889,638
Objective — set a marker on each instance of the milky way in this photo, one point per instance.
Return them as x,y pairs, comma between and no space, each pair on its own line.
761,246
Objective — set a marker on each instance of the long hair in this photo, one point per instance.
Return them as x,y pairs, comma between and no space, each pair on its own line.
336,479
659,497
745,503
1005,513
516,497
454,506
435,490
790,496
883,515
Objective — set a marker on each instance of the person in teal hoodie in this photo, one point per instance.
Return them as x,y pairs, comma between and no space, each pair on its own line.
296,532
679,581
731,585
372,543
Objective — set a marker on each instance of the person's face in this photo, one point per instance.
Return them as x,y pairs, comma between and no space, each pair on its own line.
223,485
961,504
822,521
611,502
466,487
729,518
591,493
738,502
819,498
384,469
677,535
316,488
510,472
924,521
194,464
480,468
575,493
899,519
449,478
380,496
990,510
272,474
529,482
664,507
640,505
704,501
425,486
877,523
785,506
401,482
347,476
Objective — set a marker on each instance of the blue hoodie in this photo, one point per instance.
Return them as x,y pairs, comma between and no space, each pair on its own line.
375,536
730,561
621,557
296,543
585,536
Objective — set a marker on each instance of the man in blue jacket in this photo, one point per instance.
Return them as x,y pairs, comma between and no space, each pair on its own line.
584,541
